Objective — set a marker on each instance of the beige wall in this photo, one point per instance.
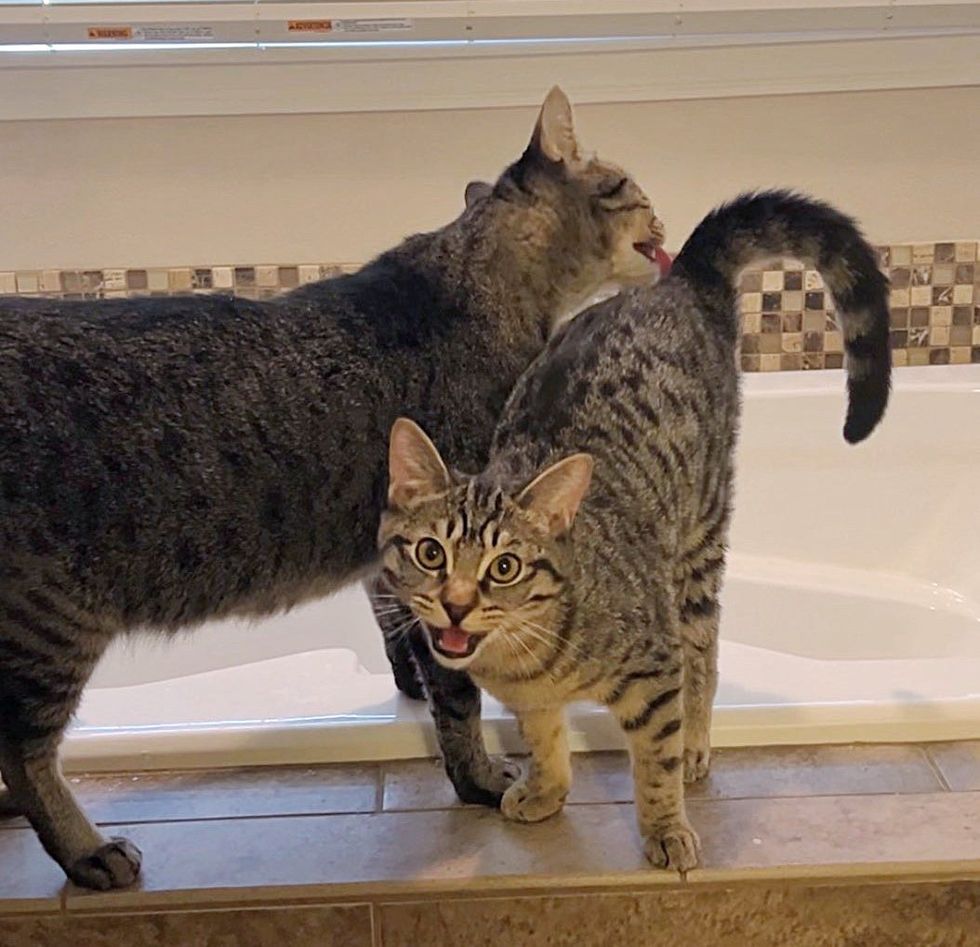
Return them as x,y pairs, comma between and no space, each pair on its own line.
340,187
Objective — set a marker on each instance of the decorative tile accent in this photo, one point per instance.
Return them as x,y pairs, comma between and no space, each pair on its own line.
934,300
788,318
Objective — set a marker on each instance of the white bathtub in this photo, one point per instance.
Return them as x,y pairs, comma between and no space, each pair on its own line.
851,612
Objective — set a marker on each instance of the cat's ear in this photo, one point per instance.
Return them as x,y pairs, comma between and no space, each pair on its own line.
415,469
476,191
554,134
556,494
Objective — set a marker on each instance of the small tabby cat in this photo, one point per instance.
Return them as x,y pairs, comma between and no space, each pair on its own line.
168,461
585,561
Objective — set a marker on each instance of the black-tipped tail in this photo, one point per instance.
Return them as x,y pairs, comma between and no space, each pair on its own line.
754,227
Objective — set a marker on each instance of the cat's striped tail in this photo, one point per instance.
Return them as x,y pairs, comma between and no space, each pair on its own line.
767,224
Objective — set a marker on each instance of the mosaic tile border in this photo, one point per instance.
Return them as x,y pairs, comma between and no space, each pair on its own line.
252,282
787,315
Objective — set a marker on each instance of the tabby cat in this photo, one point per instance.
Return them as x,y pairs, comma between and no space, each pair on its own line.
171,460
585,561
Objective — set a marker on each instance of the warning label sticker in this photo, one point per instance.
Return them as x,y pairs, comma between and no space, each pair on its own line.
309,26
390,25
177,33
110,32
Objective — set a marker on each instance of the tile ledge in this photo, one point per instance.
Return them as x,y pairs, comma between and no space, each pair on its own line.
640,881
849,872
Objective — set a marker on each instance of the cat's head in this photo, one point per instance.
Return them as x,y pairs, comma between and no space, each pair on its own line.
484,567
576,209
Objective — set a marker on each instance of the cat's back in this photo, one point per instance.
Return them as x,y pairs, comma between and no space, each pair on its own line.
646,385
111,359
633,369
26,317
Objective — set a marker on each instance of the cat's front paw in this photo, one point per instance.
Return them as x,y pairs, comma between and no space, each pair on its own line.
501,774
521,805
697,762
115,865
676,848
485,785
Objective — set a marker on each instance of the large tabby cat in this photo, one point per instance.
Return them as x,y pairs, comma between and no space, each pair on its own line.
547,589
167,461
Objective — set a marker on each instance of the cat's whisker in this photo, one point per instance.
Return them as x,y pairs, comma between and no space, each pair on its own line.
391,610
550,638
403,629
550,633
518,657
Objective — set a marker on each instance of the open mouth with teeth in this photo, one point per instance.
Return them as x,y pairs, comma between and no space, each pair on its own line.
453,642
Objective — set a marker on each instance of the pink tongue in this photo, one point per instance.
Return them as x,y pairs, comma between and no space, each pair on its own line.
454,639
663,261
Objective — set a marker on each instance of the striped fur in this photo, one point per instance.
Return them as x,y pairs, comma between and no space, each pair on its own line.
168,461
621,607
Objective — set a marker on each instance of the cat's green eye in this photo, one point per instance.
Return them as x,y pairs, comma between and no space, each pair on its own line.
505,569
429,553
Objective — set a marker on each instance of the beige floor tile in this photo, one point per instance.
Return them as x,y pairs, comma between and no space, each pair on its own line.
216,794
766,772
872,831
959,763
423,784
891,915
29,880
757,772
340,926
348,856
416,784
224,794
743,772
456,850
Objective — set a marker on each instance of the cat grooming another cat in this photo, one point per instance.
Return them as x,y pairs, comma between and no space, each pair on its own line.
585,561
166,461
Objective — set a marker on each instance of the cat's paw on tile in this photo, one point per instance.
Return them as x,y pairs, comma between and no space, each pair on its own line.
697,761
115,865
501,774
520,804
676,848
486,783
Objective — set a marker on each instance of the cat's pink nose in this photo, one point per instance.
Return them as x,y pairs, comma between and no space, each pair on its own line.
457,613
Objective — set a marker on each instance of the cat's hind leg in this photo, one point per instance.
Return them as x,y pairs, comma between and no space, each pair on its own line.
699,615
700,632
651,713
47,658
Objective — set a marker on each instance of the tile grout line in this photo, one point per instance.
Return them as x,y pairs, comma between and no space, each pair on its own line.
934,766
379,809
379,788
